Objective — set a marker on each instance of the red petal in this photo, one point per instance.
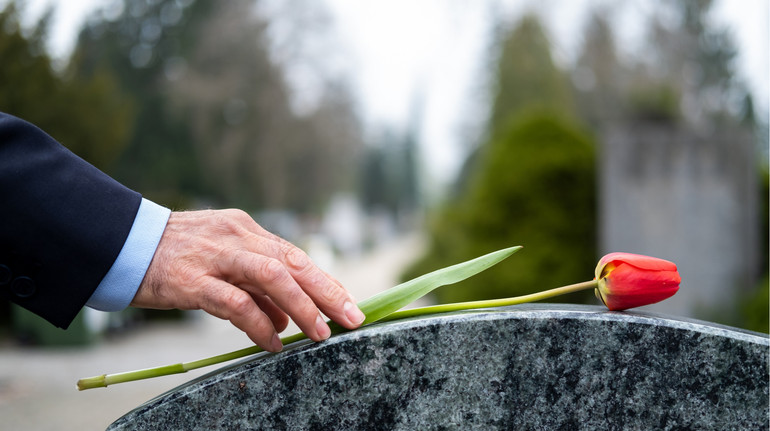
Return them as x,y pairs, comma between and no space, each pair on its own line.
640,261
628,286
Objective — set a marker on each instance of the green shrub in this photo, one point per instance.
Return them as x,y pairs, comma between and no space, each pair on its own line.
753,308
533,185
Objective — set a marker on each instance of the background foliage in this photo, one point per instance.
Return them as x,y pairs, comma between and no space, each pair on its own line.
531,178
216,122
187,102
91,116
530,183
533,186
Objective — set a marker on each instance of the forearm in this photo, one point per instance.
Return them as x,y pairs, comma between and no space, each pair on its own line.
63,222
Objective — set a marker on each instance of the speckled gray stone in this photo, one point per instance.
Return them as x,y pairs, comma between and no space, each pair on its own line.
538,367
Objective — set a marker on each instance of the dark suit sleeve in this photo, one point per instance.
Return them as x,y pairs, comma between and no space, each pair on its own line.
62,223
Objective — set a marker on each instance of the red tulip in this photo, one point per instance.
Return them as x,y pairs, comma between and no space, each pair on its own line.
628,280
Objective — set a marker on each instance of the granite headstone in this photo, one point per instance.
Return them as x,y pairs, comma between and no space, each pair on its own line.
523,367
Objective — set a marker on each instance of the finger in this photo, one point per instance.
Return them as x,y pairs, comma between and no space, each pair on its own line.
272,278
326,292
228,302
338,283
323,292
277,316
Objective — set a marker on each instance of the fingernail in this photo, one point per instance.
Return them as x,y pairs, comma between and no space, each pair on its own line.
322,328
276,344
353,314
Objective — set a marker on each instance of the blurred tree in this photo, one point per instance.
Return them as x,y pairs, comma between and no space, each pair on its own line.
687,71
534,187
599,76
330,147
388,180
375,186
531,183
238,104
253,143
526,75
90,117
145,44
215,119
694,59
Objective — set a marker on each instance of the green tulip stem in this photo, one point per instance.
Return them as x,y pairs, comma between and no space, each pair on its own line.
111,379
105,380
489,303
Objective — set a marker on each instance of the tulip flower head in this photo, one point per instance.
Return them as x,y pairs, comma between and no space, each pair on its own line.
628,280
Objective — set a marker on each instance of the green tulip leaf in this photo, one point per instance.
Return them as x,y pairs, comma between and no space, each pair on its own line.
395,298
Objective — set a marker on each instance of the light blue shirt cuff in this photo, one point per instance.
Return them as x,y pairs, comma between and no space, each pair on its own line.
119,286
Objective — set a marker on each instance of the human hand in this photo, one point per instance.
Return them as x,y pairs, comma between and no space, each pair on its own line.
223,262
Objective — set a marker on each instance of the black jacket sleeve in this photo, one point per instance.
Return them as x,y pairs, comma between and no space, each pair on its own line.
62,223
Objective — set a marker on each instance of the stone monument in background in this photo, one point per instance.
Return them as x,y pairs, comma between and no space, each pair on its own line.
689,196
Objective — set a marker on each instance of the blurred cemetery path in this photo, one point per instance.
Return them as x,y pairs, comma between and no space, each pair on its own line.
37,385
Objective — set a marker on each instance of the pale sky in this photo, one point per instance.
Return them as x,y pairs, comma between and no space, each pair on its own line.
401,52
440,45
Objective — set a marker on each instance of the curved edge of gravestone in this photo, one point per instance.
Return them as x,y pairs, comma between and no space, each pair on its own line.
531,366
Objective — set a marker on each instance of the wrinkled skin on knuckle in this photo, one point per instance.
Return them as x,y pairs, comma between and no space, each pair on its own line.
313,280
238,303
191,290
297,259
270,271
230,222
330,293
